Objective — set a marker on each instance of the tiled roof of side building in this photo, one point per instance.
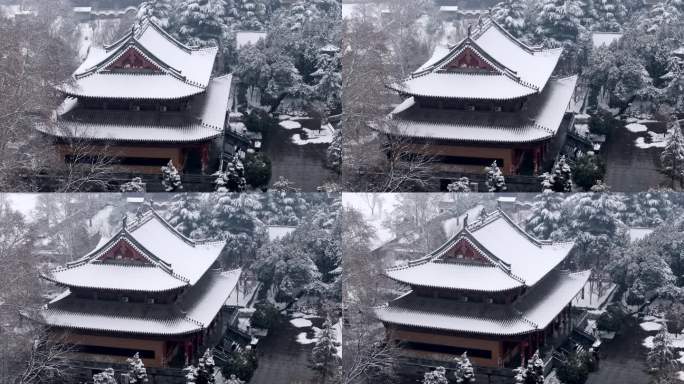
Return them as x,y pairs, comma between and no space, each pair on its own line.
515,259
179,71
532,312
195,311
171,260
539,121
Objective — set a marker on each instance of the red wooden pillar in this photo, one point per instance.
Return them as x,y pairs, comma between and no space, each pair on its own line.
204,155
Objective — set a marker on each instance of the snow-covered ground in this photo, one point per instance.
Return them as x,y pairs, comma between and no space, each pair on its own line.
677,341
301,322
289,124
322,136
636,127
657,141
651,326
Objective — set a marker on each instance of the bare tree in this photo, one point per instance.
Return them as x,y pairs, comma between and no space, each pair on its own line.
34,58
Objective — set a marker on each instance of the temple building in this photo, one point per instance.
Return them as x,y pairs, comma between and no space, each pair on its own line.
489,98
142,101
149,290
491,290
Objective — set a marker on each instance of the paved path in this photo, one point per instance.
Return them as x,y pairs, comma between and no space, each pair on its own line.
282,360
628,168
301,164
623,359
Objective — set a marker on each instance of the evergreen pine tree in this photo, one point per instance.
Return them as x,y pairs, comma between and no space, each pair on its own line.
535,370
231,178
465,374
610,15
672,157
104,377
200,22
328,80
510,14
520,374
171,180
495,179
661,358
324,353
205,368
190,374
185,212
560,20
136,370
334,152
560,178
438,376
546,218
157,11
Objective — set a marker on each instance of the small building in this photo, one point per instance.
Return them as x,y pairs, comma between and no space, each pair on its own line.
148,290
142,101
489,98
491,290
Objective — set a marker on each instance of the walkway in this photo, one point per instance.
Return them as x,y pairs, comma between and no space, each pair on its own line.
282,360
623,359
632,169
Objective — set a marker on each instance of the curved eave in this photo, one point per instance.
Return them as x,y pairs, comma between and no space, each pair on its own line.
463,140
424,285
67,284
67,93
123,332
158,140
408,93
466,331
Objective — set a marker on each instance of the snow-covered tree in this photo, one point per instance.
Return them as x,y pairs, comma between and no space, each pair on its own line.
284,185
661,14
593,221
495,179
520,374
511,15
190,374
460,185
136,370
186,213
251,15
673,93
600,187
672,157
324,353
157,11
171,180
200,22
588,170
661,358
535,370
560,20
546,217
560,178
465,374
231,178
104,377
135,185
233,217
334,152
438,376
328,79
610,15
205,368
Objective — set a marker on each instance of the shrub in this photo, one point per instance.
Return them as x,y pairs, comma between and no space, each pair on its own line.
257,169
265,316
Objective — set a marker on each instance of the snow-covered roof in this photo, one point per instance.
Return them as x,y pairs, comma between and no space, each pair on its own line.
194,312
539,121
604,38
512,68
162,259
130,133
206,121
532,312
174,70
511,259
